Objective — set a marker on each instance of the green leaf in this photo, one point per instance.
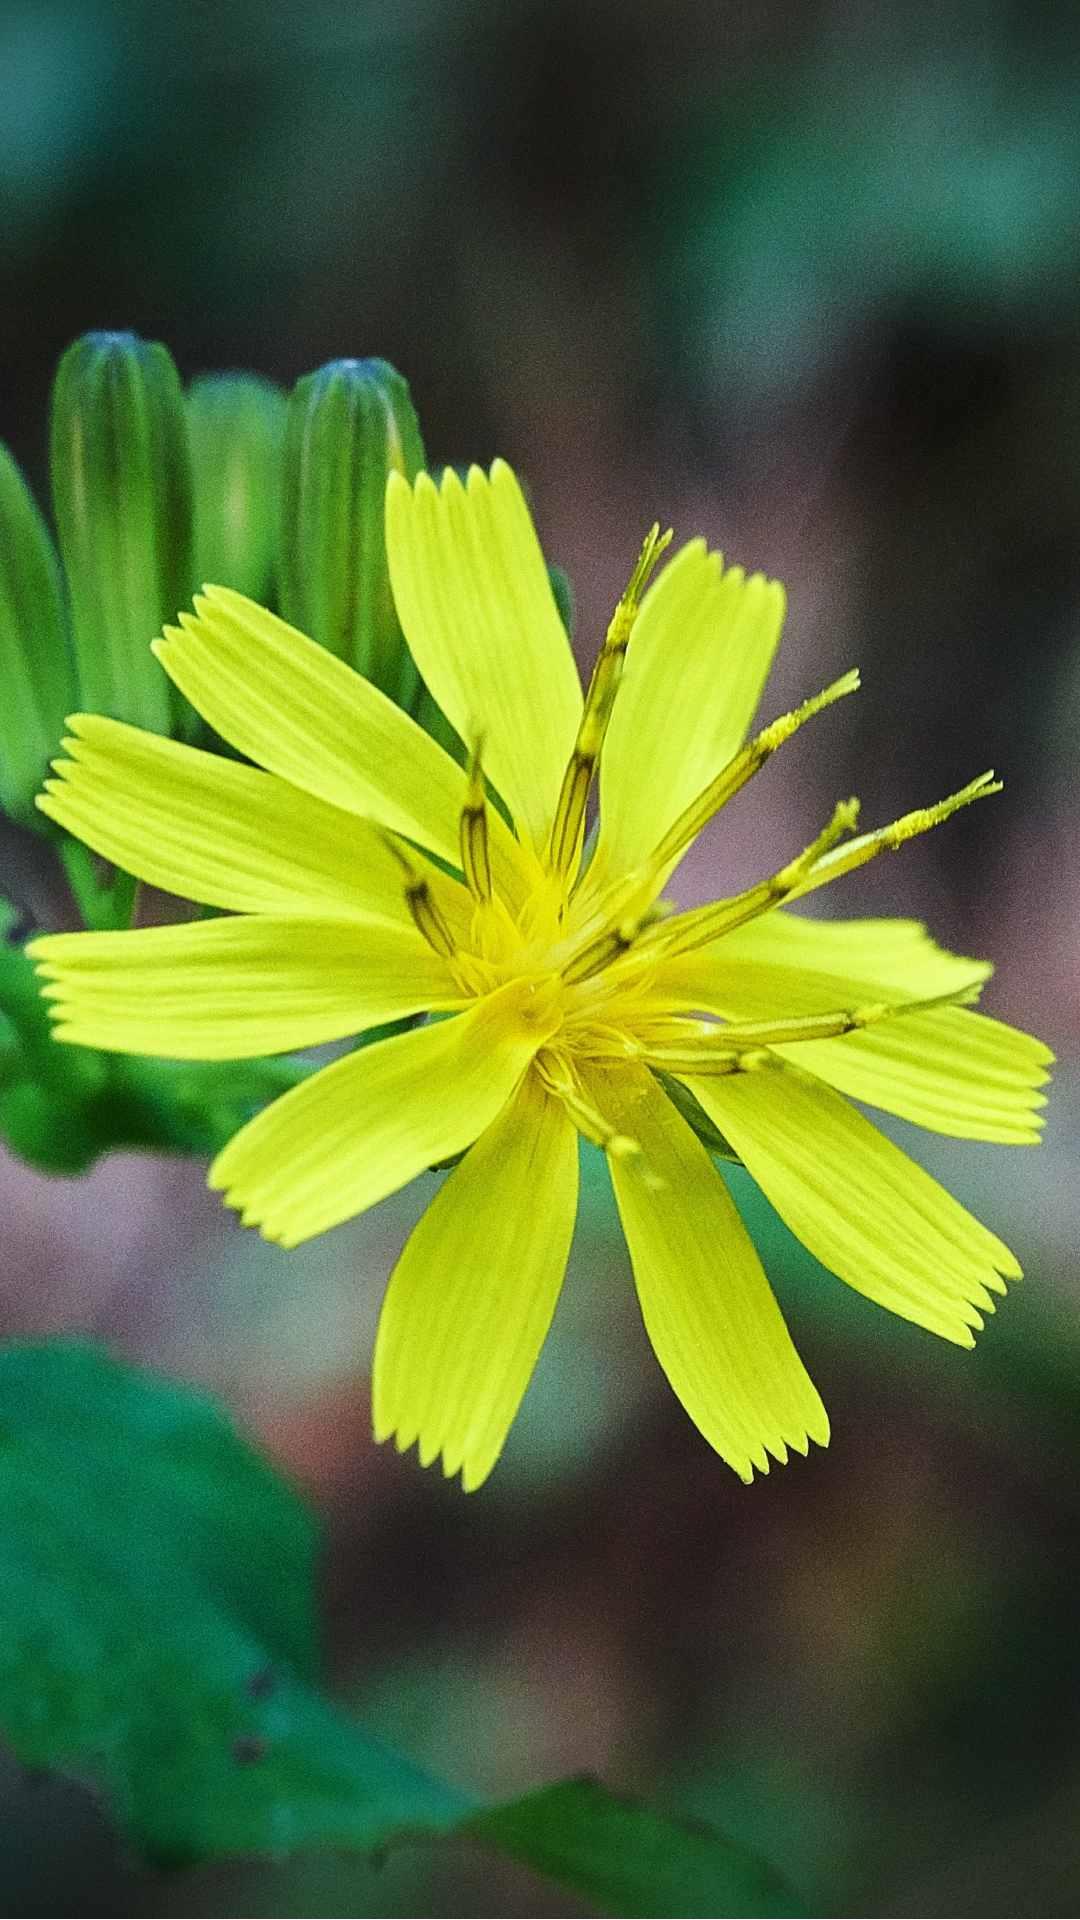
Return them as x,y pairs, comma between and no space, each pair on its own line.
36,671
628,1859
157,1639
157,1632
191,1106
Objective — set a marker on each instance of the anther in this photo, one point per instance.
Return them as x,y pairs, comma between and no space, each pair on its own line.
888,839
845,818
564,844
428,919
742,767
473,830
591,1123
570,813
701,925
741,1046
654,544
600,953
418,898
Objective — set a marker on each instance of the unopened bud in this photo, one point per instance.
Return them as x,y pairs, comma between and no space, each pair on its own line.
37,680
236,426
121,485
349,424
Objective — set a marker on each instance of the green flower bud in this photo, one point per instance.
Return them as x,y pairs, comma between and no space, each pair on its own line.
236,427
348,425
37,679
121,484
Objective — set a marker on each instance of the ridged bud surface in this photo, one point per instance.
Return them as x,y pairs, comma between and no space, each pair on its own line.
349,424
37,680
236,427
121,485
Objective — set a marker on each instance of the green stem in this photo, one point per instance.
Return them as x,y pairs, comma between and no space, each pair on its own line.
105,906
124,898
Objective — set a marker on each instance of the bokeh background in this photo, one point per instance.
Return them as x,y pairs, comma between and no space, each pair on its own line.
804,277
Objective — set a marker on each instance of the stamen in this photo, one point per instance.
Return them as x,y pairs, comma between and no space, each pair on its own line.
751,1034
595,951
586,1118
748,761
418,898
564,845
600,953
831,1026
688,931
473,831
883,839
622,620
741,1046
570,813
696,1060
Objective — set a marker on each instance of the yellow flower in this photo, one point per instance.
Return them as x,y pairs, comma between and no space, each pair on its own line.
369,878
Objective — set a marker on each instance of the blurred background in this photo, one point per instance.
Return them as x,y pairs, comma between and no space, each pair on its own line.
804,278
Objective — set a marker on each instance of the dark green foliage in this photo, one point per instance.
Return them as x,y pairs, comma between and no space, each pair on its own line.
157,1640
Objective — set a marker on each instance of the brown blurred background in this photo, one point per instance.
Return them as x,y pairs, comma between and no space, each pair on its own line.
804,278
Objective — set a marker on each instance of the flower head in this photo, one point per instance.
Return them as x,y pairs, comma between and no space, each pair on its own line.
369,878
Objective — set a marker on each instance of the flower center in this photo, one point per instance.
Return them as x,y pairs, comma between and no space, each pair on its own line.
591,947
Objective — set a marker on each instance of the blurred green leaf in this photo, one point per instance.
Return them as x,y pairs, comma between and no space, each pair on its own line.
36,671
157,1639
868,176
628,1859
157,1633
121,485
236,428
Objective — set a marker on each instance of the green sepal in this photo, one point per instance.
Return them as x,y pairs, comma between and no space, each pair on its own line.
349,424
695,1116
236,428
121,487
37,677
563,592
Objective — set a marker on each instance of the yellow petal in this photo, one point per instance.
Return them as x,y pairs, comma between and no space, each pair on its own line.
957,1072
226,835
361,1128
865,1210
307,717
951,1070
898,957
698,657
472,1297
708,1308
476,607
230,989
